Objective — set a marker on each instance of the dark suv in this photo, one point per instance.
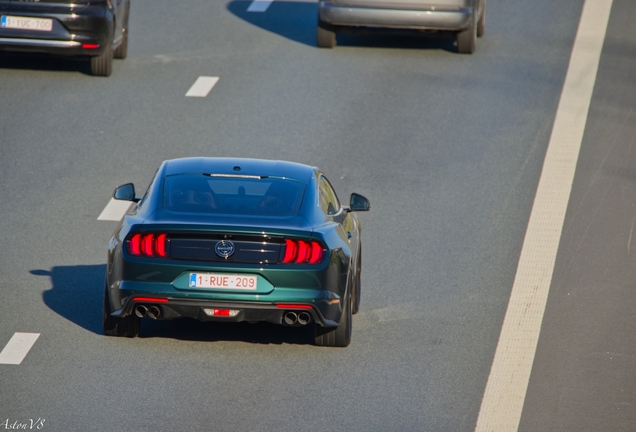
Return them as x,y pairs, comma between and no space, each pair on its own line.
97,29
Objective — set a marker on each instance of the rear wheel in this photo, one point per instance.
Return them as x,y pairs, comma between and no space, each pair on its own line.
102,65
481,24
121,52
325,36
467,39
339,336
355,304
114,326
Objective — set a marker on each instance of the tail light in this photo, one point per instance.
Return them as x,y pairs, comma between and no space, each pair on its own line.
150,300
301,252
221,312
293,306
151,245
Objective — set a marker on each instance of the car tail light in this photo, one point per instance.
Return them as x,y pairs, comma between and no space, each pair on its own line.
151,245
301,252
221,312
160,245
150,300
291,248
293,306
90,46
304,250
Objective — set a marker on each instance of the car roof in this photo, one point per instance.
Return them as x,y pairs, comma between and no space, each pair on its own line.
239,166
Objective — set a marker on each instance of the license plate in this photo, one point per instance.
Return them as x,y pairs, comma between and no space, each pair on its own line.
222,281
25,23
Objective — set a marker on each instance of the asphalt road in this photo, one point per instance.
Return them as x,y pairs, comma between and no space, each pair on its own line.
447,147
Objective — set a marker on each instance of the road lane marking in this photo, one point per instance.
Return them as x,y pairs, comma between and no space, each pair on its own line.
18,347
202,86
114,210
259,5
505,392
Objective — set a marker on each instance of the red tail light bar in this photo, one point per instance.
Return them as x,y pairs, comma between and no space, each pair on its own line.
293,306
150,245
301,251
150,300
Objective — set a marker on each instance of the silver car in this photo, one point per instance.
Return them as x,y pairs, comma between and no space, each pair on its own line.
465,18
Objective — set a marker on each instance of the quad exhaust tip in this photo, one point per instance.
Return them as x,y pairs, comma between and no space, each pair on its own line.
304,318
292,318
151,312
154,312
141,311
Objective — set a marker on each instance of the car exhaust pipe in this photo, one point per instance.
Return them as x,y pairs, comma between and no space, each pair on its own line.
141,311
304,318
290,318
154,312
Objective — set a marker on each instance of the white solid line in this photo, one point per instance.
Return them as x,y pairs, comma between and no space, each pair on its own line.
18,347
114,210
259,5
505,392
202,86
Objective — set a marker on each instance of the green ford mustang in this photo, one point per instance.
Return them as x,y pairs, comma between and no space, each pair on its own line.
220,239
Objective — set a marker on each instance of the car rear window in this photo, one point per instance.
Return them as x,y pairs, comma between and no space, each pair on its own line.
228,194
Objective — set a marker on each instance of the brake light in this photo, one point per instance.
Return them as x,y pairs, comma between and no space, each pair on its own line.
151,245
301,251
317,252
304,250
150,300
134,245
90,46
290,251
160,245
147,245
218,312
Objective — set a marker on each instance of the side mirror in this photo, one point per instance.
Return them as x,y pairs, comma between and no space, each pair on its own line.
125,193
358,203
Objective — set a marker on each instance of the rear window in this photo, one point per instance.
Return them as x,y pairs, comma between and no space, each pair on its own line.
241,195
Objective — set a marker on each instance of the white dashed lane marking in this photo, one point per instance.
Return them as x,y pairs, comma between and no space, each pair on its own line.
505,392
202,86
114,210
259,5
18,347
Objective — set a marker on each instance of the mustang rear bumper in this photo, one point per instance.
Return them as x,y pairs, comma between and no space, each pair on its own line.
444,20
203,310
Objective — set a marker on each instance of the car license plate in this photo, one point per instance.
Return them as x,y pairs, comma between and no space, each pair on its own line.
26,23
222,281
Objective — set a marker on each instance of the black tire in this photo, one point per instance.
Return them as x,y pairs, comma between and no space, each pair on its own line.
481,24
121,52
121,327
355,303
467,39
325,36
336,336
102,65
